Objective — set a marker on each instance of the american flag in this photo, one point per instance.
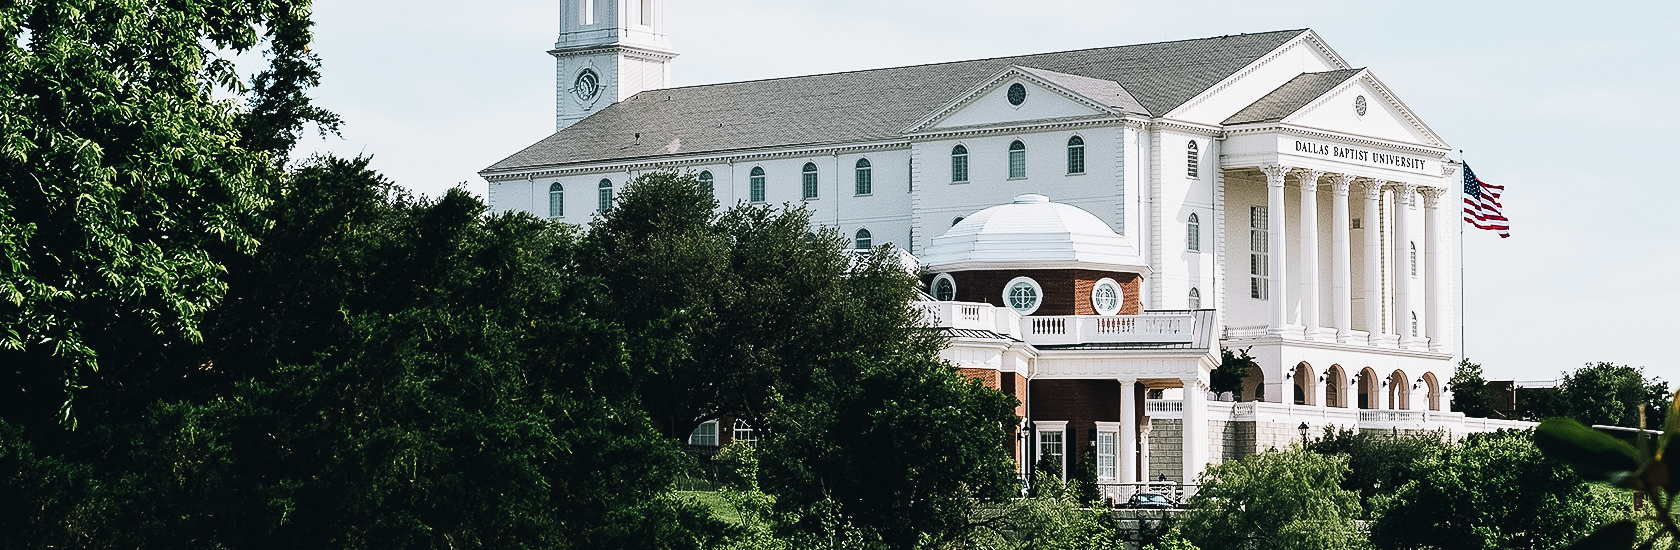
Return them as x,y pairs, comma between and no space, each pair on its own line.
1481,205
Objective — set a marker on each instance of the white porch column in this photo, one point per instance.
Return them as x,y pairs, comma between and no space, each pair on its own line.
1278,260
1341,279
1403,199
1309,251
1195,430
1321,385
1373,259
1127,467
1434,314
1143,448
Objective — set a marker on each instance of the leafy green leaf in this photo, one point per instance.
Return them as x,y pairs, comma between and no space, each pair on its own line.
1595,456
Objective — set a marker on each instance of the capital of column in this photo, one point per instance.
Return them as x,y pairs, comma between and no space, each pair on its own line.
1373,188
1406,193
1274,174
1339,183
1309,178
1432,196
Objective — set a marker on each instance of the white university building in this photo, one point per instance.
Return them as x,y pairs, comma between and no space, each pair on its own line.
1093,226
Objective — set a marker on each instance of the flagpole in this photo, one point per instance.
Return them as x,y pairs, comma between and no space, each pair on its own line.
1462,310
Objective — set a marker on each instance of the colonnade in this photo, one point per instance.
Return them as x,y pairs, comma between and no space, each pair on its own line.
1384,322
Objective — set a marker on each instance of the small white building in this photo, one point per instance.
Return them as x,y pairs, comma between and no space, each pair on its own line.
1093,225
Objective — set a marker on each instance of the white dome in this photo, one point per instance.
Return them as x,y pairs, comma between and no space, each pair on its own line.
1032,233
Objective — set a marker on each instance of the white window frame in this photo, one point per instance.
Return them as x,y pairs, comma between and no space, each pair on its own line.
1259,257
1193,233
604,195
863,176
808,181
556,200
1076,150
1193,161
1119,296
1042,427
1195,298
1011,165
933,286
757,189
1038,292
1108,464
862,239
742,427
708,180
959,160
713,424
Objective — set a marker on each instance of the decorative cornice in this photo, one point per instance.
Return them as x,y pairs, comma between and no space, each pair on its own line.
973,94
634,51
713,157
1371,80
1208,130
1013,127
1306,36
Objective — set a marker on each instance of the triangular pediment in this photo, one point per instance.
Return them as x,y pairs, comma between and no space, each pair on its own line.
1048,95
1361,105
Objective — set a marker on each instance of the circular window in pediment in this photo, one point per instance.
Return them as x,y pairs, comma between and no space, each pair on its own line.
1359,105
1017,94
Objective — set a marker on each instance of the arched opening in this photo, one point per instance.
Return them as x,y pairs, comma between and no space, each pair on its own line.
1399,391
1367,388
1434,388
755,185
1253,385
863,241
556,200
1335,389
1076,155
1017,160
1304,378
959,164
808,181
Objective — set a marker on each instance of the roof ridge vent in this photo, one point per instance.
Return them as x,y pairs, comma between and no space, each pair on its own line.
1031,198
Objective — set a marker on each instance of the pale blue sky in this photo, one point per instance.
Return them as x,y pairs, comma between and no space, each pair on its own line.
1570,106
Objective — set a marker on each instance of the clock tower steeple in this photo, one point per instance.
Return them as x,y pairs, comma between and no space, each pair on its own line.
608,50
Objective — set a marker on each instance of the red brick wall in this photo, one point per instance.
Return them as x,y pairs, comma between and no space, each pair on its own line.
989,377
1066,291
1082,403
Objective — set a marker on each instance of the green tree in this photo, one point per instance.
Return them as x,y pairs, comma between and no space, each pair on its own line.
1469,391
1379,462
1233,367
1056,518
126,183
1493,491
1276,499
1610,394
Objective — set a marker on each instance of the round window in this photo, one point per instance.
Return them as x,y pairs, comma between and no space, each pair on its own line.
1023,295
1017,93
1359,105
588,84
1106,297
944,288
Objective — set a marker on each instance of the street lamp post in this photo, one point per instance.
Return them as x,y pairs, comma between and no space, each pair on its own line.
1304,428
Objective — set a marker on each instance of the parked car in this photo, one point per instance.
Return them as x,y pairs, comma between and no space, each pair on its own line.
1150,501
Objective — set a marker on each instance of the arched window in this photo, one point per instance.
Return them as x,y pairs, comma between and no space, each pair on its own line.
1017,160
1193,161
556,200
865,181
1414,324
808,181
1195,298
755,185
1076,155
1193,233
744,433
604,196
706,182
959,164
1414,259
863,240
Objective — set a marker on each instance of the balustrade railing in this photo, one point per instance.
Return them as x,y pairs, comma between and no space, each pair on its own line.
1083,329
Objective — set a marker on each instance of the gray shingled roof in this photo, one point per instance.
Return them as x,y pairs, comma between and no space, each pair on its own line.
870,105
1107,92
1291,96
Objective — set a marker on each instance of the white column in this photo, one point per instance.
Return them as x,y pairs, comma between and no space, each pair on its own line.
1341,279
1309,251
1143,450
1373,259
1434,314
1195,432
1403,200
1321,383
1277,262
1128,433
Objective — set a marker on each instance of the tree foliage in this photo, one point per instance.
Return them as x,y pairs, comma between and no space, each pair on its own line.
1492,491
1379,462
1276,499
1608,394
1470,392
126,183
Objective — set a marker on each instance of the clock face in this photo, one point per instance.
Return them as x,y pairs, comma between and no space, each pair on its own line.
1359,105
587,86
